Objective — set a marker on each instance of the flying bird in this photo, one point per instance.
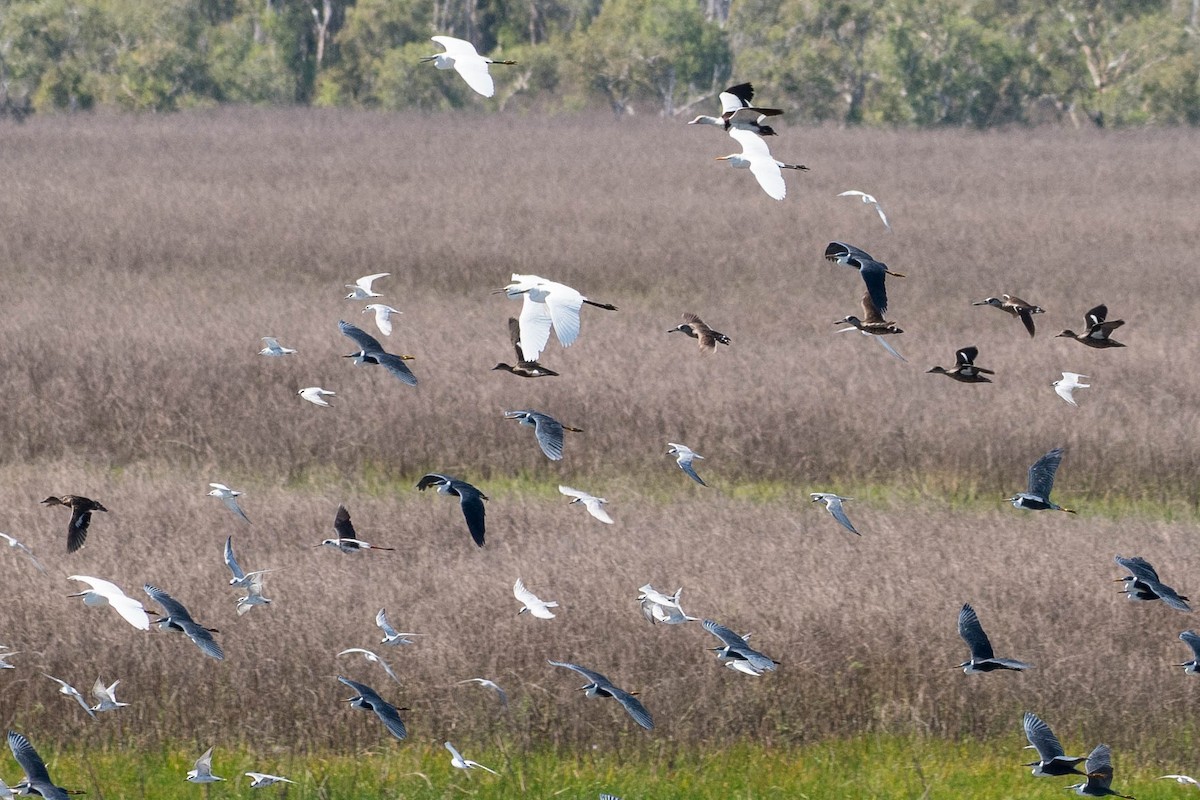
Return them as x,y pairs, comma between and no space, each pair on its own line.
1192,640
1143,584
1041,481
70,691
229,498
383,316
316,395
594,505
964,369
1010,304
882,342
756,157
106,697
1099,775
531,603
456,760
1052,759
874,273
684,456
1099,327
274,348
694,327
4,659
368,699
469,498
254,595
19,546
372,352
361,288
547,430
347,540
501,695
104,593
870,201
259,780
737,112
872,322
545,305
178,619
600,686
462,57
373,658
81,516
1181,779
37,779
982,658
391,637
833,504
736,652
202,771
241,579
659,607
524,368
1065,388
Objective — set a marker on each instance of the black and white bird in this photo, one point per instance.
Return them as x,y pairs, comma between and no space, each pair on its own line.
874,273
1099,775
368,699
347,540
1041,481
1192,640
37,781
736,652
600,686
469,498
737,112
177,618
372,352
1052,759
1143,584
833,504
547,430
983,659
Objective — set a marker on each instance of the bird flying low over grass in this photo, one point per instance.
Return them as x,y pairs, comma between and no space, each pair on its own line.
1192,640
756,157
361,288
383,316
874,273
1052,759
347,540
1066,386
202,772
531,603
458,762
547,430
1010,304
373,658
469,498
694,327
872,321
1099,775
316,395
67,689
964,369
833,504
684,456
1098,330
524,368
37,779
368,699
737,112
501,695
273,348
259,780
229,498
982,658
1143,584
241,579
106,696
600,686
391,637
1041,481
544,305
177,618
81,517
870,201
736,652
372,352
104,593
462,57
594,505
20,547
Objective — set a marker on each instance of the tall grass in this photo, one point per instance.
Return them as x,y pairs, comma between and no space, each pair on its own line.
146,256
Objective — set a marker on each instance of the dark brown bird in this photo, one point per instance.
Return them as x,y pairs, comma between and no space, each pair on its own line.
523,368
964,367
1098,329
694,327
81,517
1015,306
872,321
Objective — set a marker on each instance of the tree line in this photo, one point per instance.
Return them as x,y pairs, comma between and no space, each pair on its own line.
976,63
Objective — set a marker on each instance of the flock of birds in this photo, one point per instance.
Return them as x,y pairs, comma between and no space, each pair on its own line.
551,307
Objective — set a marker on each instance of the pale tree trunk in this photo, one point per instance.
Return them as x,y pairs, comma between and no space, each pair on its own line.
321,21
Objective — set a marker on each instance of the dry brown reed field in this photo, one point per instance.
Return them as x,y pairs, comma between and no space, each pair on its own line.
144,257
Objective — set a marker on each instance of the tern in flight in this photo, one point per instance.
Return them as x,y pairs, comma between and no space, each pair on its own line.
202,771
501,695
594,505
241,579
258,780
106,696
70,691
531,603
19,546
392,637
316,395
383,316
870,201
833,504
1066,386
274,348
361,288
373,658
229,498
684,456
457,761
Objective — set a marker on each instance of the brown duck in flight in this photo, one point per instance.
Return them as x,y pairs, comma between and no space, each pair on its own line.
81,516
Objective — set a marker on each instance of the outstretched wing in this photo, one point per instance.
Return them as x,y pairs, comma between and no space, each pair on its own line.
1041,474
972,633
1042,738
365,341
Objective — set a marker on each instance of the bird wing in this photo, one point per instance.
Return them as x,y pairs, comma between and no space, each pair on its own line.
848,254
342,525
526,597
204,640
972,633
433,479
471,501
685,463
886,345
365,281
474,70
595,507
387,714
173,607
736,97
382,621
396,366
1192,640
1140,568
514,333
365,341
591,675
130,610
763,166
231,561
232,504
28,758
14,542
563,304
966,356
77,528
1041,474
1042,738
727,636
1099,767
457,756
1027,320
1066,390
1096,316
534,324
455,47
204,763
549,433
835,508
875,277
634,706
1170,597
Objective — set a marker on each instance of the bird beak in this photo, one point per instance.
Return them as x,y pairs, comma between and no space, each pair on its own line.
722,158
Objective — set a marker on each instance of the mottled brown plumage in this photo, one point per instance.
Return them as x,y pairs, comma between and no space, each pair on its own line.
81,516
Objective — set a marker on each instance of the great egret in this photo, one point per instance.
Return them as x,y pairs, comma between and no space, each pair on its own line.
470,499
833,504
756,157
1011,304
1098,329
1066,386
964,369
684,456
694,327
104,593
229,498
1040,483
462,57
178,619
737,112
81,516
531,603
982,658
547,304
